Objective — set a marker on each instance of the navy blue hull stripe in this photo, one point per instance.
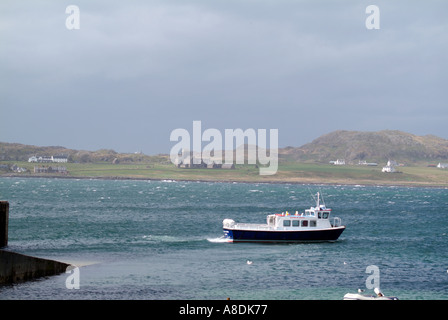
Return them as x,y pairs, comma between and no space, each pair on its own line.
283,236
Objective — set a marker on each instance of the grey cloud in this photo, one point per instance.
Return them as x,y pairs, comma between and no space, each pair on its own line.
138,69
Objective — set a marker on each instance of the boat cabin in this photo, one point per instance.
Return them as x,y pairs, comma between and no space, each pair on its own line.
313,217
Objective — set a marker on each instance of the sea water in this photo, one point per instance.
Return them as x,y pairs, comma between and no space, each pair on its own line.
135,239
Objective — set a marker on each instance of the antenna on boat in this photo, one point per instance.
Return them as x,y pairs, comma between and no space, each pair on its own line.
317,202
323,201
312,195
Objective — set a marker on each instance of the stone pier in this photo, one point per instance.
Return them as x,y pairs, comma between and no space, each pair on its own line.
16,267
4,221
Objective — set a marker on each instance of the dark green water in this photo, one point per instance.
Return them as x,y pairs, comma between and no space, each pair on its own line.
160,240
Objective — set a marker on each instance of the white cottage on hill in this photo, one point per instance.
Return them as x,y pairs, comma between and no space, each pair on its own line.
48,159
390,167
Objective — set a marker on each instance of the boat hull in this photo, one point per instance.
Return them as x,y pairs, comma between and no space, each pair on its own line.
356,296
239,235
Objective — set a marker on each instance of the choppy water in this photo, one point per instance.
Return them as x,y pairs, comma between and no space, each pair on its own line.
160,240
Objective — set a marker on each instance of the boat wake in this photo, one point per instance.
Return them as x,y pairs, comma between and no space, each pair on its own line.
219,240
168,239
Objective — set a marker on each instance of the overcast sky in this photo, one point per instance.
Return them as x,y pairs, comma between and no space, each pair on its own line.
136,70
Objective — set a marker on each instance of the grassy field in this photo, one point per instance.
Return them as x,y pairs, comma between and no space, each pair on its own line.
292,172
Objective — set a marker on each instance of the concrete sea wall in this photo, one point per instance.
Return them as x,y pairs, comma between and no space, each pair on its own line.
16,267
4,221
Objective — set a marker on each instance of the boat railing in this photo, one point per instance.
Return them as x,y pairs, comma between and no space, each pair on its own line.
336,222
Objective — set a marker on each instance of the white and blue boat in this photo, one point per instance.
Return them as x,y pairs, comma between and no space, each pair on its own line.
358,296
313,225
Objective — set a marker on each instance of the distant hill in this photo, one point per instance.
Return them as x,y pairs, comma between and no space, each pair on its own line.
351,146
21,152
371,147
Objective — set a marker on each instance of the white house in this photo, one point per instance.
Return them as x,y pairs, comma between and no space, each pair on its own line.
58,158
390,167
40,159
339,162
392,163
365,163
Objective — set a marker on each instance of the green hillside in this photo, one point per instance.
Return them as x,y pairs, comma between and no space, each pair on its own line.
21,152
353,146
305,164
378,147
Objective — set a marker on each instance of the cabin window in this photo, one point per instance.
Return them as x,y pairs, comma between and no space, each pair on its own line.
325,215
312,223
319,215
295,223
304,223
286,223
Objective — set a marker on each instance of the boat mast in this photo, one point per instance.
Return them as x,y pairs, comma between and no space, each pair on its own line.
317,204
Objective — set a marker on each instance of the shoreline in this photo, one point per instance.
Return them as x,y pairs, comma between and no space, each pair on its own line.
411,185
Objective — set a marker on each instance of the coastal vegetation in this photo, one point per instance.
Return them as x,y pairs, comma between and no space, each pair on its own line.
288,172
379,147
416,157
